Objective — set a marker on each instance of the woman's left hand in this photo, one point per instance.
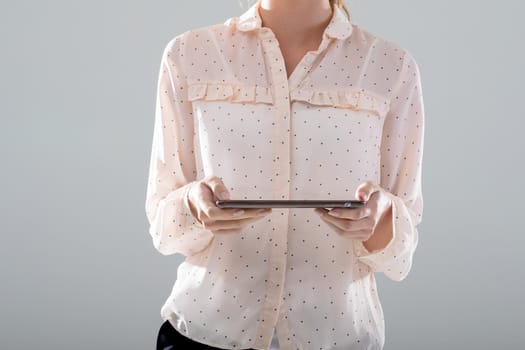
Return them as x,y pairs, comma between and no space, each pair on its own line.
360,223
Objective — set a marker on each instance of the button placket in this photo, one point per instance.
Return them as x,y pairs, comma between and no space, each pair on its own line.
308,58
280,139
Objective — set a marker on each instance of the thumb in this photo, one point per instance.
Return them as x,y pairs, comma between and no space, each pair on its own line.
363,191
362,195
218,188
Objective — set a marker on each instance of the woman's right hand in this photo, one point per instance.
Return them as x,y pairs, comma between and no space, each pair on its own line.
202,196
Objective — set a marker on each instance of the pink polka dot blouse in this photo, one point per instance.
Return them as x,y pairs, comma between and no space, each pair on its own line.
351,111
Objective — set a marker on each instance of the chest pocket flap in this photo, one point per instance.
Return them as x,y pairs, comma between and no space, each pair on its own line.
350,97
232,92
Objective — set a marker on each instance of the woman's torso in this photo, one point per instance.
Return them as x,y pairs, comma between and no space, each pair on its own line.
313,135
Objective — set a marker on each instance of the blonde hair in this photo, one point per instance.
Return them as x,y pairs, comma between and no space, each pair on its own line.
342,5
338,3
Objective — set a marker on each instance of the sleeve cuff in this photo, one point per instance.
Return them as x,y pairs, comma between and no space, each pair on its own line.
395,258
175,229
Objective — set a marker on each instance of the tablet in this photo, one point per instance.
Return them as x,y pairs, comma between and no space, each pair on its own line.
288,203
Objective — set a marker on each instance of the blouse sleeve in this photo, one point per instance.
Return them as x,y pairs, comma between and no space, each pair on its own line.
172,168
401,168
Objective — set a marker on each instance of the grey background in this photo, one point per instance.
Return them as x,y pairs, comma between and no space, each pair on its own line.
77,79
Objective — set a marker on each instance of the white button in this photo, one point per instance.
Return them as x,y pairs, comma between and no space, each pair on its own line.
309,58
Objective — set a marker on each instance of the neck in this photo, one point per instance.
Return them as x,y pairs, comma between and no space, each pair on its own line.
297,20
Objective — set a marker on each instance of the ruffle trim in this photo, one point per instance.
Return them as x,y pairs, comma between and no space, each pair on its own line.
353,98
232,92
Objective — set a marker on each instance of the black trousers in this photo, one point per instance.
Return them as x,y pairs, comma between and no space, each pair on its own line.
170,339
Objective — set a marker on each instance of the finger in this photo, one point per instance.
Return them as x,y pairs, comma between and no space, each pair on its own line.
208,210
221,214
353,214
366,223
202,194
365,190
242,213
334,227
217,187
232,226
330,219
347,234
